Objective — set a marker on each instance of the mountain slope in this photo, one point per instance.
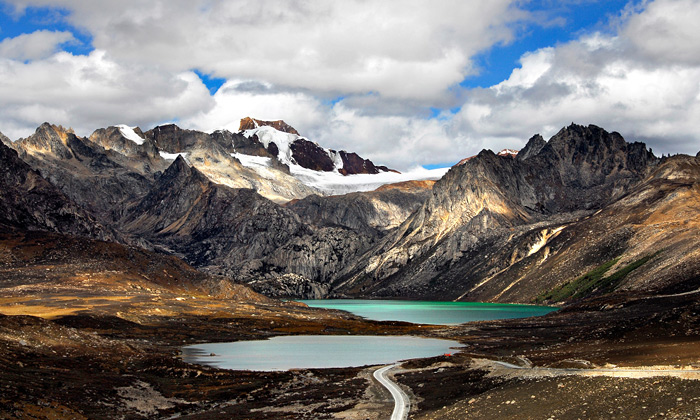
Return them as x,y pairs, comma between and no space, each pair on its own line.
489,212
372,213
99,180
289,147
30,202
207,223
221,156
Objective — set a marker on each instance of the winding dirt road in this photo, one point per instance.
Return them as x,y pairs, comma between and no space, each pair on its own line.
402,404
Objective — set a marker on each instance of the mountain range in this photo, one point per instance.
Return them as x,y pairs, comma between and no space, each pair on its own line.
559,221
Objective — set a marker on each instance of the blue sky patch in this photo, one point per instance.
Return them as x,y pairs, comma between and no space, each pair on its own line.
556,23
212,83
44,18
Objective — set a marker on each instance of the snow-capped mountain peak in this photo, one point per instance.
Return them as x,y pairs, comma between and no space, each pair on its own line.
283,141
130,134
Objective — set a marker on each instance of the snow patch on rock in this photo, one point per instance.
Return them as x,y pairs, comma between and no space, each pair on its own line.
129,133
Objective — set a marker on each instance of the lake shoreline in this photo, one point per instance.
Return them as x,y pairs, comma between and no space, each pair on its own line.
133,355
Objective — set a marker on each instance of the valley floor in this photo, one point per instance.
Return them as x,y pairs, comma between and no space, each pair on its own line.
87,354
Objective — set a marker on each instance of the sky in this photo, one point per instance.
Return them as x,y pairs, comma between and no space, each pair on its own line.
405,83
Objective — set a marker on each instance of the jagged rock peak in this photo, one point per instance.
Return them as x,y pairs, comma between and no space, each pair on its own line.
172,139
178,169
509,153
6,140
129,141
248,123
533,147
49,139
180,173
58,129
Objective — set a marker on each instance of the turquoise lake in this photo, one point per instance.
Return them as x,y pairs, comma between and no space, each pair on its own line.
438,313
314,351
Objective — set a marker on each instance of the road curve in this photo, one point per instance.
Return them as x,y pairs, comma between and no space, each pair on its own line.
402,405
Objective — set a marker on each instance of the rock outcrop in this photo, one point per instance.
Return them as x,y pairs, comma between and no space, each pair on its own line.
208,223
248,123
371,213
491,205
29,202
287,145
5,140
99,180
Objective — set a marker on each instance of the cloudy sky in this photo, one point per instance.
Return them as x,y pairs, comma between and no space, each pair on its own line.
403,82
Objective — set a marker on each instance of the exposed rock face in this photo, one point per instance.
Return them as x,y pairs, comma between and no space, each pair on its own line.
311,156
207,223
5,140
506,227
290,286
495,203
503,153
371,213
250,145
173,139
305,153
354,164
212,155
99,180
30,202
532,148
314,259
248,123
342,228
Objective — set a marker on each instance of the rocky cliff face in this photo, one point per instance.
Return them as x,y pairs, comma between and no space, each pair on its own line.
101,181
5,140
207,223
493,205
528,227
29,202
371,213
248,123
284,142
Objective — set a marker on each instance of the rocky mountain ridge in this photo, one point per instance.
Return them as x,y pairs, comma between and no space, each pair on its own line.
489,214
30,202
513,227
292,148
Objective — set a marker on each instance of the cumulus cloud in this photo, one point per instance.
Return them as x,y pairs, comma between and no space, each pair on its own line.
358,75
620,81
643,81
34,46
87,92
407,49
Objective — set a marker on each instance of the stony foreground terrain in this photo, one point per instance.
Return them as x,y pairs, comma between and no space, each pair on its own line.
115,252
104,343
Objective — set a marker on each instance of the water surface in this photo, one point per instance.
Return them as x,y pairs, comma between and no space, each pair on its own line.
421,312
314,351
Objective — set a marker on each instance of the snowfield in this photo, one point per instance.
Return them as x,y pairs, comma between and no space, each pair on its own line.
334,183
130,134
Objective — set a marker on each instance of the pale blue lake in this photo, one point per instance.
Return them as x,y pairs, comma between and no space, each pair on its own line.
437,313
314,351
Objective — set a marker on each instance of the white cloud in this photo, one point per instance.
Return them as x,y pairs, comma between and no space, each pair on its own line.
406,49
87,92
643,82
389,61
34,46
666,32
